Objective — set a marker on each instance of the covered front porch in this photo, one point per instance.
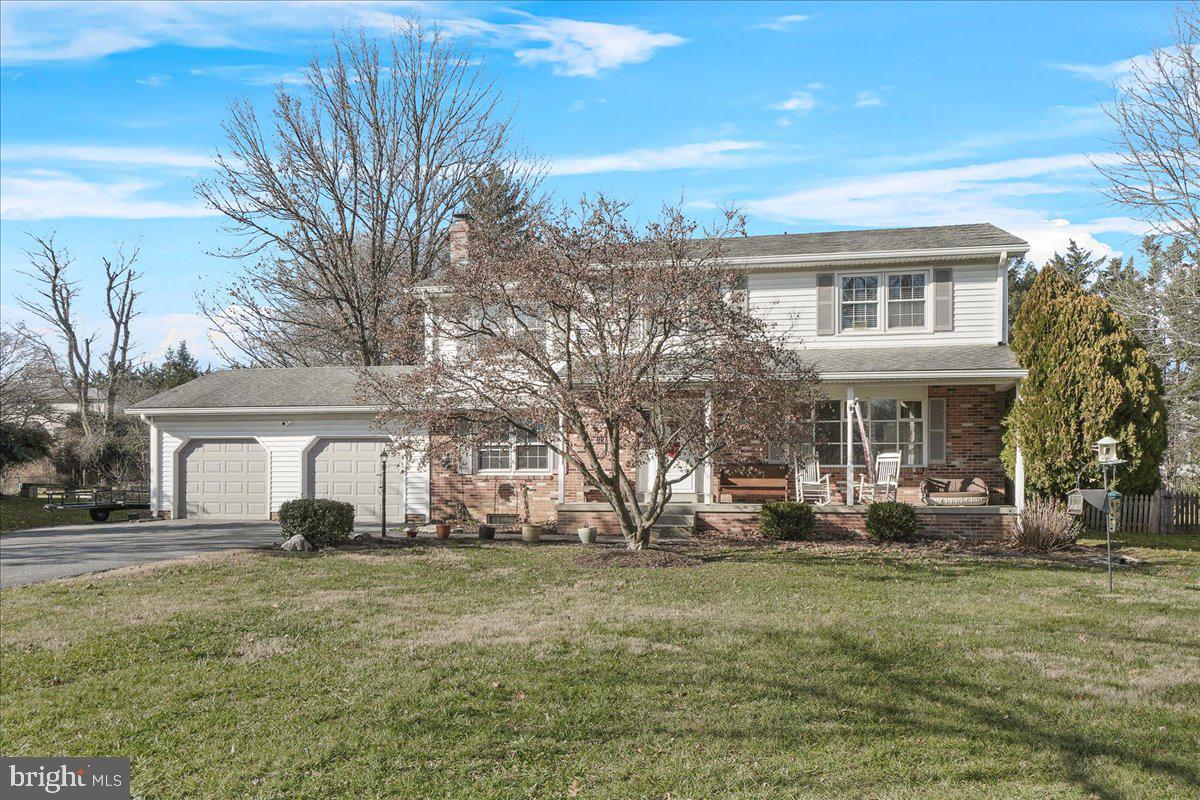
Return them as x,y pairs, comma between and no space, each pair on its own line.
945,431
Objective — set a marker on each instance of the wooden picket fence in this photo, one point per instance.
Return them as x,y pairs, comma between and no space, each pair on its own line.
1161,512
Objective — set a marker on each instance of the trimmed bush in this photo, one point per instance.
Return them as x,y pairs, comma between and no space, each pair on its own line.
891,522
322,522
787,520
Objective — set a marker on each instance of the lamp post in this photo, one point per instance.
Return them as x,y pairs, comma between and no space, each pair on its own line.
1106,455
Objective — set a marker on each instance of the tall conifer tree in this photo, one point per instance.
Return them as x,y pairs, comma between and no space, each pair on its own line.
1089,377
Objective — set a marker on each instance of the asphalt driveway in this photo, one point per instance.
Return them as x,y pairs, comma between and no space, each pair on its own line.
42,554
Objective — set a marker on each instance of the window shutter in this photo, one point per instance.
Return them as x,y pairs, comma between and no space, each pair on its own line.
825,305
937,430
943,299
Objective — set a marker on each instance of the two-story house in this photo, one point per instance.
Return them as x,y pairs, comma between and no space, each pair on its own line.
908,326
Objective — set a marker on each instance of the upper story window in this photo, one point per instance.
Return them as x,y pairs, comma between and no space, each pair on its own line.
864,307
860,302
906,300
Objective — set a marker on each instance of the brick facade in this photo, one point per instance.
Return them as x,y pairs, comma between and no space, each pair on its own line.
973,441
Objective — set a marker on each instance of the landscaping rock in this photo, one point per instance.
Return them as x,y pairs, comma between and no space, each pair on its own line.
297,542
361,537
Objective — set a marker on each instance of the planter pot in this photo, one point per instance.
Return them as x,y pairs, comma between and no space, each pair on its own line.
487,533
443,531
530,533
410,533
654,536
587,535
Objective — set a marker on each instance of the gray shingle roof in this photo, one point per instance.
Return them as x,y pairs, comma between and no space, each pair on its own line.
267,388
336,387
926,358
873,241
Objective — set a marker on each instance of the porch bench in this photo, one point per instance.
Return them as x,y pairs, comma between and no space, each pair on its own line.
954,492
753,483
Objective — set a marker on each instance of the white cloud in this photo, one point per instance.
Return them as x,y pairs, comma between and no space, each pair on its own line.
40,32
798,102
41,194
1003,192
784,23
1105,73
153,81
575,48
158,332
722,154
866,99
1059,123
253,74
112,155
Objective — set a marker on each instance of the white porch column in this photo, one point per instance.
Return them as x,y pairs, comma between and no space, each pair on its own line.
155,469
1019,470
707,474
849,445
562,462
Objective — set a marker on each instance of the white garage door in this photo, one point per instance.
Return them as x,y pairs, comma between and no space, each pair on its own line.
224,478
348,470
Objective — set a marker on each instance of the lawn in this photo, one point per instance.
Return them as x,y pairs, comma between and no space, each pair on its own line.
21,513
508,671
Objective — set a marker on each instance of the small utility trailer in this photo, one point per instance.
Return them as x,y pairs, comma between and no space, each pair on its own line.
99,503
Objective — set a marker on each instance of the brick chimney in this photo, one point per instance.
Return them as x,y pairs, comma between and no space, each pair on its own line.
460,230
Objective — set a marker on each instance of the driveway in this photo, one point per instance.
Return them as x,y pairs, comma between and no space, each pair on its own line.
43,554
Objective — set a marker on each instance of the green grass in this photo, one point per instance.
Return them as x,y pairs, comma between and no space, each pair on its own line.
22,513
508,671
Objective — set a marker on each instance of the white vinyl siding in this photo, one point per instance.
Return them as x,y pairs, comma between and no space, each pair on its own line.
788,298
286,446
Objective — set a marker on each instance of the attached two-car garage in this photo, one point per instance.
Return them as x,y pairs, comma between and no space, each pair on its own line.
238,444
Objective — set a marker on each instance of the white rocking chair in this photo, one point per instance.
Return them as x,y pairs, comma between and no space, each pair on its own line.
886,483
811,485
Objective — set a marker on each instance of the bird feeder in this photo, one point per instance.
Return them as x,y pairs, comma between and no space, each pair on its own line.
1106,451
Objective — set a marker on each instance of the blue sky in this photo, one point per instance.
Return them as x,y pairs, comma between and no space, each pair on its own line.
811,116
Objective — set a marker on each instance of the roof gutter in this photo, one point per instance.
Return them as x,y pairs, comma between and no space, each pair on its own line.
881,255
209,412
915,375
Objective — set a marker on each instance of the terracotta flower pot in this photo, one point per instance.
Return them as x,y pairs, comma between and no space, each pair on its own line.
443,531
410,533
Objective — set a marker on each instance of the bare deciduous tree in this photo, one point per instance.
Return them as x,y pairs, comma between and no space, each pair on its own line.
616,346
1156,172
341,202
27,382
75,364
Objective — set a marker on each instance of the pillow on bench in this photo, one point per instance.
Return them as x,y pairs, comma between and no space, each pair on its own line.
954,492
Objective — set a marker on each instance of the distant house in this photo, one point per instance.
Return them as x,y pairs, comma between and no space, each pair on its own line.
908,325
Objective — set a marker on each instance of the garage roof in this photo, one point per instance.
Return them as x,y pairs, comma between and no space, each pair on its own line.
290,387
